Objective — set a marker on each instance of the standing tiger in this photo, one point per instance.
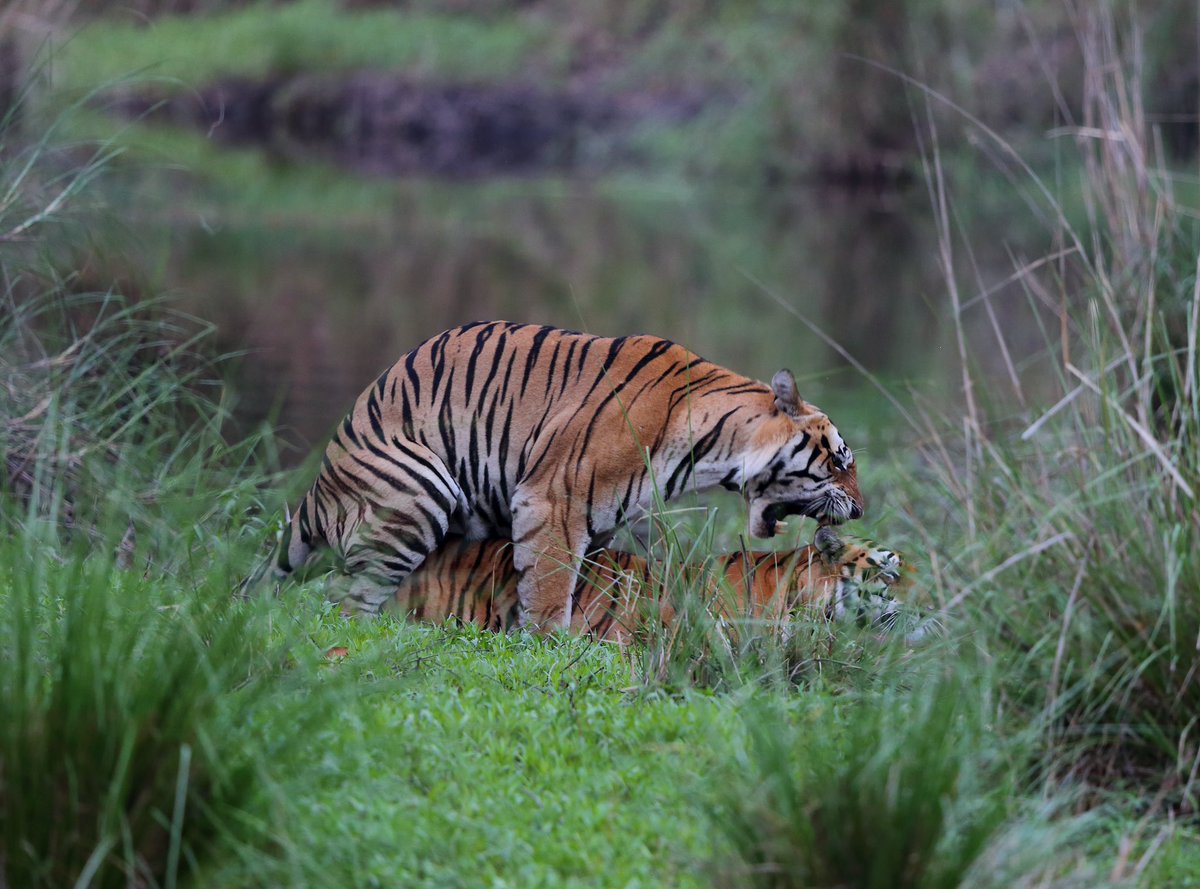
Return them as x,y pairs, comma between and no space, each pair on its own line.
475,582
551,438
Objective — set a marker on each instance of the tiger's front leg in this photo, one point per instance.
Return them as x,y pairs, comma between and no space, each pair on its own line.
548,547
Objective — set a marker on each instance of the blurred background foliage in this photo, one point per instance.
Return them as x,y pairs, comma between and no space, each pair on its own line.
330,182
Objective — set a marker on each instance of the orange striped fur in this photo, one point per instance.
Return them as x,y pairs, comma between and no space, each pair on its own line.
475,582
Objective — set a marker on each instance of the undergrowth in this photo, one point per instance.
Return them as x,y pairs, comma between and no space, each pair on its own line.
139,701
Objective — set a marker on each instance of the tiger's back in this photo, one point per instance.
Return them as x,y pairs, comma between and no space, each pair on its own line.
475,582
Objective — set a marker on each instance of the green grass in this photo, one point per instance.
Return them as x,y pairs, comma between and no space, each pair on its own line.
129,745
899,789
472,758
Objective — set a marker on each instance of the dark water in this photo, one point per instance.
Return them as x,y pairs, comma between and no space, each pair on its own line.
319,302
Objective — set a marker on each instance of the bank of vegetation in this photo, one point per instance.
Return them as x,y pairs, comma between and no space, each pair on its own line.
754,92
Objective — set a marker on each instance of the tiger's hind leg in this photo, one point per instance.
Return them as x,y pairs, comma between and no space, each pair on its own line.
383,511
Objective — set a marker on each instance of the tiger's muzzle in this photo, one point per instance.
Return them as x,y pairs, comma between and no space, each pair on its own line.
830,508
838,501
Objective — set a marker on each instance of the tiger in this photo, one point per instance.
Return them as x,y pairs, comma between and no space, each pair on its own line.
550,438
475,582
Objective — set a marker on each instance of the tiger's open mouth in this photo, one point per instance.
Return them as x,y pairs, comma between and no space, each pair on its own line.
829,507
813,509
765,519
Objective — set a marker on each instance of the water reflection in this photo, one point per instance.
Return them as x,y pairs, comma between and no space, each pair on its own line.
320,307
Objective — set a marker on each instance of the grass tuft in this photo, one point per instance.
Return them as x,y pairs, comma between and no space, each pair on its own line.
1072,557
905,789
130,746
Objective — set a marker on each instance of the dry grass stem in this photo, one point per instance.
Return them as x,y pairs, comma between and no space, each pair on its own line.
1143,433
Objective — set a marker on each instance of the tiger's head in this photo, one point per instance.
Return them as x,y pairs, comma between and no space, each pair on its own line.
868,577
809,469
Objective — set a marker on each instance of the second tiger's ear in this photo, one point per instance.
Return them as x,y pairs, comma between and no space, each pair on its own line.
787,396
828,544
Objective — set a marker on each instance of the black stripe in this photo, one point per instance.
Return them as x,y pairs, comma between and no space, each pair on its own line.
550,370
697,453
446,424
410,362
473,454
562,386
695,362
512,357
375,415
583,353
480,343
613,351
437,353
406,414
430,488
531,357
737,389
502,460
396,483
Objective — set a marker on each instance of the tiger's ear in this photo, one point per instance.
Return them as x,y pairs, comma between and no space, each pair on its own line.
787,396
828,544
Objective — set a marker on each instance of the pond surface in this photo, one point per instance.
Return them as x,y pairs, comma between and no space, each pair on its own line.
318,299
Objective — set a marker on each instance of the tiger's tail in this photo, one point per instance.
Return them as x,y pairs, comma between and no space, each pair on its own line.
293,545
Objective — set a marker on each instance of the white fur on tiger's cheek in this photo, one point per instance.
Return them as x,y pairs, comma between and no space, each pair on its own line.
756,461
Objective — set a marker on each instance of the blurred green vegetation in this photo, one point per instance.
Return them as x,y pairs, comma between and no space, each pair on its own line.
783,90
276,40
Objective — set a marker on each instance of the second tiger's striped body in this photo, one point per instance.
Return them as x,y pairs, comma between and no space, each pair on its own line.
475,582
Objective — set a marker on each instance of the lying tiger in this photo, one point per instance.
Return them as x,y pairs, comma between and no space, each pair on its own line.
475,582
